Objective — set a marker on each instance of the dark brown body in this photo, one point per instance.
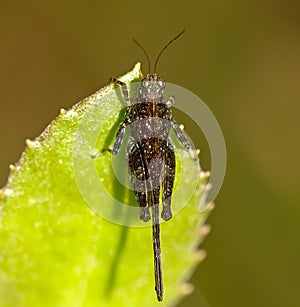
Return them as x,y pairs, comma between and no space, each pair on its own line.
151,156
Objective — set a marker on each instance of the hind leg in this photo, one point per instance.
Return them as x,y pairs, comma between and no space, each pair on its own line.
153,198
167,184
142,201
138,174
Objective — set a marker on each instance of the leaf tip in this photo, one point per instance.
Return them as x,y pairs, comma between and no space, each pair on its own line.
135,73
137,68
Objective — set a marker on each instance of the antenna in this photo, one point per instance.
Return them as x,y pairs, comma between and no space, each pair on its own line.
164,48
148,59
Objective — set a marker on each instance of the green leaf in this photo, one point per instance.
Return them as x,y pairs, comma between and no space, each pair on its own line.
55,250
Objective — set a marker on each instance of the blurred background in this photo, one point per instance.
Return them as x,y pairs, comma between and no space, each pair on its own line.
241,57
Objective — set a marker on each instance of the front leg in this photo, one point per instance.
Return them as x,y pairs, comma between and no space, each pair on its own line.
168,182
121,130
117,143
182,138
179,133
119,138
123,125
124,90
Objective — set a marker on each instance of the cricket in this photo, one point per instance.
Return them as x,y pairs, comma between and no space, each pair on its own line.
150,153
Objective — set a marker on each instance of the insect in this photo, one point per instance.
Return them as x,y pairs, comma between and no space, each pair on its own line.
150,154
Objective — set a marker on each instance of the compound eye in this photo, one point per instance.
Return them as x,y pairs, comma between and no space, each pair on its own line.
161,83
146,83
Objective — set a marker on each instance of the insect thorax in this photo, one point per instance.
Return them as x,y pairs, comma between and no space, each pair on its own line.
150,116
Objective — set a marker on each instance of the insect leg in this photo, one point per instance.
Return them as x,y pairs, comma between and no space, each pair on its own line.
100,152
138,174
123,125
124,90
142,200
182,138
167,184
117,143
119,138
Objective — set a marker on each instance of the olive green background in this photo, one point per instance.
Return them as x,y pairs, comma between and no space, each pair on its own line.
241,57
